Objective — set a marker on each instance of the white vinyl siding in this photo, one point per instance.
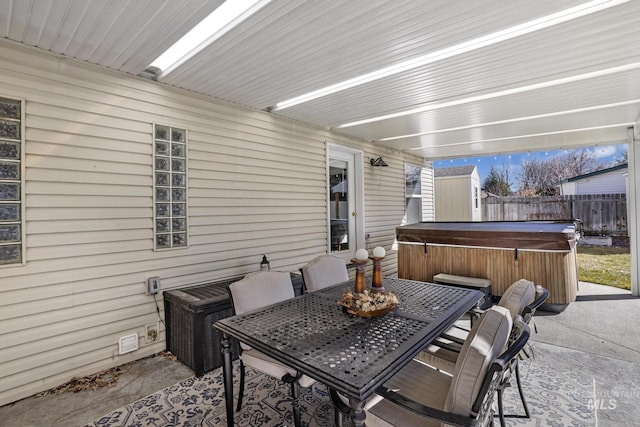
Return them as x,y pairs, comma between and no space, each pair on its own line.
256,184
606,183
428,205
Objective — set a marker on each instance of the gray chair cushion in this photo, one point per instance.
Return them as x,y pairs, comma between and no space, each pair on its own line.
422,383
486,341
272,367
519,295
254,291
323,271
260,289
418,382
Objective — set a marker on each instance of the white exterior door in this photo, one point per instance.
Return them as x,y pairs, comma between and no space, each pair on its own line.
345,201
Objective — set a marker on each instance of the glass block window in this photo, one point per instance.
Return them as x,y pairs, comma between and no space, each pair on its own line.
11,182
170,187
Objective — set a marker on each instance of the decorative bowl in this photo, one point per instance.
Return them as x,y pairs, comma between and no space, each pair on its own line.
368,303
370,313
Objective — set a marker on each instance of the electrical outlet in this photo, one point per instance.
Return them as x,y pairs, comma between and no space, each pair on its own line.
153,285
152,333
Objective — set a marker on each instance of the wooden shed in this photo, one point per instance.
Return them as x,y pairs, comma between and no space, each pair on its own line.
457,194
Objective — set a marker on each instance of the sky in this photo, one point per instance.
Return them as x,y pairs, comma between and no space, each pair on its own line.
606,155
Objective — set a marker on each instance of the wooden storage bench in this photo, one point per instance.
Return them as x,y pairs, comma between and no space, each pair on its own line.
478,283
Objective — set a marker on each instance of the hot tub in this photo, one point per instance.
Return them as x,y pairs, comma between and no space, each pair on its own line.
503,252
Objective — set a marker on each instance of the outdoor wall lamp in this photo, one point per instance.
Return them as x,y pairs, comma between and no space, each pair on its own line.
378,162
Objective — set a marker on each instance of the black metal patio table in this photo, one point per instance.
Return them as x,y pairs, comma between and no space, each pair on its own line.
351,355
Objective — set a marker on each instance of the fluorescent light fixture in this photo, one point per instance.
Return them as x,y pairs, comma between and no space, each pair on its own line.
514,120
621,125
492,95
470,45
226,16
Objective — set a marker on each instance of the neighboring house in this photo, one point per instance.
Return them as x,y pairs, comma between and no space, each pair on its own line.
457,194
606,181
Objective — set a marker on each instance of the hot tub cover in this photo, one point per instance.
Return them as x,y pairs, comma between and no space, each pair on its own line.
531,235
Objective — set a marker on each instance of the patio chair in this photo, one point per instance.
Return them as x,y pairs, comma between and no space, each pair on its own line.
319,273
422,395
522,298
324,271
254,291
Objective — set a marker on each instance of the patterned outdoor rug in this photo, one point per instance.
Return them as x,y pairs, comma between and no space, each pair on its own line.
556,397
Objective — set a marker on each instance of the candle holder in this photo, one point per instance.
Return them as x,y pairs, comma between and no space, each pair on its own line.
360,283
376,280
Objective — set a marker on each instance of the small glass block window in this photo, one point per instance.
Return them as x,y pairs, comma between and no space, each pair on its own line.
170,187
11,182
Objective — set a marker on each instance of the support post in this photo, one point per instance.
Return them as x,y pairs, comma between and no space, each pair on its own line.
633,204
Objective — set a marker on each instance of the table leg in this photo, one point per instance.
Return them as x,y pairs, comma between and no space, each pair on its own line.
227,370
358,414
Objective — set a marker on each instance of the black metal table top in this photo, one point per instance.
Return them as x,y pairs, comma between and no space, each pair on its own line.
353,355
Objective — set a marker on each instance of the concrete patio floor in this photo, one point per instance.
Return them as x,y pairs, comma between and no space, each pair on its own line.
595,337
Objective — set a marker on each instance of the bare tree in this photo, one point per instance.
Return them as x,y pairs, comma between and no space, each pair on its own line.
536,176
542,176
622,160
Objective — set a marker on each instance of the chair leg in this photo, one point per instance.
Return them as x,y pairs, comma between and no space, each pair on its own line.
241,390
521,392
295,394
500,408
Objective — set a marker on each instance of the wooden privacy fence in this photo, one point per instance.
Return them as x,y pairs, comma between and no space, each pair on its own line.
599,213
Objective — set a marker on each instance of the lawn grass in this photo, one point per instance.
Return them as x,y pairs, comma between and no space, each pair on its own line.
605,265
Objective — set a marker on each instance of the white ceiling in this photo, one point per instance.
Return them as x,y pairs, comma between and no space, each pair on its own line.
574,83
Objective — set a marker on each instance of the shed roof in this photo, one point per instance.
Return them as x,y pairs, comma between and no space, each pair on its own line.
453,171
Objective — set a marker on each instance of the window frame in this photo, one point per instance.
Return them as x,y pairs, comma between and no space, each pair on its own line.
476,197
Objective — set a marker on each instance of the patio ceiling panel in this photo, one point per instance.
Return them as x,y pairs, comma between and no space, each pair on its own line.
289,49
601,92
588,44
126,35
624,115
